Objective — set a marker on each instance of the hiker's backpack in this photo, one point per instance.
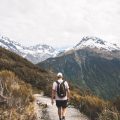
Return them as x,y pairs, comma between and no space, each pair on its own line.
61,90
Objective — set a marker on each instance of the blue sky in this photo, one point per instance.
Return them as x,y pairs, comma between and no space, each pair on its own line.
59,23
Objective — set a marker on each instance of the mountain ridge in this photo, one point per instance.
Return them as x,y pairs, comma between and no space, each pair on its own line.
34,54
41,52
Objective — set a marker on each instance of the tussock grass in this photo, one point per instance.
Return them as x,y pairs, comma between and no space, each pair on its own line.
17,98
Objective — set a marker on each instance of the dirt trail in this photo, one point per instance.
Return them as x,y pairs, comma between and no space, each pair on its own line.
46,111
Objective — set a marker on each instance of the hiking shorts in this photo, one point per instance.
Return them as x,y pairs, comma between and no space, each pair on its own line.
61,103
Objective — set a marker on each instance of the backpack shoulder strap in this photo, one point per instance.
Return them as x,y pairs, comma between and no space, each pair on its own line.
63,81
57,82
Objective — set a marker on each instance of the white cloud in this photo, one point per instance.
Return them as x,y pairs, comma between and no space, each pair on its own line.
60,23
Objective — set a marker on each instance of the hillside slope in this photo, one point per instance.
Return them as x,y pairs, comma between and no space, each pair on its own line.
25,70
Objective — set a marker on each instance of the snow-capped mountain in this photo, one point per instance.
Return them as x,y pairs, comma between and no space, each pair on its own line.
34,54
94,42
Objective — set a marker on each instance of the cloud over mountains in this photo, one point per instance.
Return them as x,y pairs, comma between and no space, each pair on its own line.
59,23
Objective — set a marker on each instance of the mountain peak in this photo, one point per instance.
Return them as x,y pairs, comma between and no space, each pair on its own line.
95,39
42,47
94,42
9,44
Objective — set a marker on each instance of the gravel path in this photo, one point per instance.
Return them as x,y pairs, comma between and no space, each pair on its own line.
46,111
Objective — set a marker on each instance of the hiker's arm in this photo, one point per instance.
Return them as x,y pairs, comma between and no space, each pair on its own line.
68,94
53,96
68,91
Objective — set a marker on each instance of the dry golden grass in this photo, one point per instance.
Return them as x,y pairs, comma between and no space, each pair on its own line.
18,97
109,115
88,104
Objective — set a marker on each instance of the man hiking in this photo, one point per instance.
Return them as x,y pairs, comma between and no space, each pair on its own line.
61,93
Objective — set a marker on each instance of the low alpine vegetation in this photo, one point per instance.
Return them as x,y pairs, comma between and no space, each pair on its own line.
16,100
94,107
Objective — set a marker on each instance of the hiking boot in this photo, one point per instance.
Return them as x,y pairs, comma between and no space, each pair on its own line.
63,118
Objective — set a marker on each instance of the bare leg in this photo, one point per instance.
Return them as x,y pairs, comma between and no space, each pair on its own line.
63,112
60,112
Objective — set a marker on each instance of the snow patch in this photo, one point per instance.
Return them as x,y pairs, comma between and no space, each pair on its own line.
94,42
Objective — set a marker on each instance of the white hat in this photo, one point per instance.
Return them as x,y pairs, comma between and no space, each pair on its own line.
59,75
